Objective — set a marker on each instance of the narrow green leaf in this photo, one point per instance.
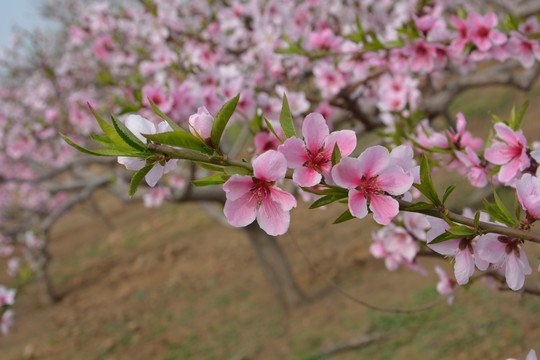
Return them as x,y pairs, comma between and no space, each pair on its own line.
162,115
216,179
286,120
461,230
443,237
476,219
427,182
137,178
447,192
222,118
237,170
108,130
181,139
512,119
325,200
344,217
517,207
503,207
104,152
271,128
496,214
210,167
336,155
126,135
422,205
343,192
103,140
520,115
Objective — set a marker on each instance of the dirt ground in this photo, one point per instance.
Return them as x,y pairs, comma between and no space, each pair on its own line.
174,283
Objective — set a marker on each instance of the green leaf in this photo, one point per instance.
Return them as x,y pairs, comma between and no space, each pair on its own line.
104,141
344,217
222,118
461,230
512,119
336,155
181,139
422,205
325,200
210,167
447,192
426,182
126,135
443,237
104,152
476,219
503,207
496,214
160,113
335,191
108,130
285,119
257,122
216,179
517,207
271,128
137,178
233,170
520,115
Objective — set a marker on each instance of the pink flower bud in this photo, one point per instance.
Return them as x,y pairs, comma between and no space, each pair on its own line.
201,123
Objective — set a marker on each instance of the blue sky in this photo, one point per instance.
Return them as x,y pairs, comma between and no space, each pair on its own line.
23,13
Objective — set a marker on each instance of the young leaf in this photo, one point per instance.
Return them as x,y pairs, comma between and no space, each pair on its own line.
285,119
160,113
503,208
427,187
216,179
108,130
445,236
233,170
210,167
448,192
325,200
336,155
137,178
181,139
497,214
222,118
476,219
520,115
271,128
344,217
422,205
461,230
104,152
126,135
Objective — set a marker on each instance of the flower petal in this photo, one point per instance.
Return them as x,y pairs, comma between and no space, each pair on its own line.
464,267
347,173
315,131
237,186
154,175
394,180
357,204
270,166
242,211
306,176
272,218
384,208
294,151
139,125
373,160
346,140
285,200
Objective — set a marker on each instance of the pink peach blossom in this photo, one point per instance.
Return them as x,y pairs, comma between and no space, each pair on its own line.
446,285
372,180
257,197
201,123
312,157
528,192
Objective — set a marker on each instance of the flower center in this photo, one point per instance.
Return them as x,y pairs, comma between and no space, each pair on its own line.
369,186
317,161
260,190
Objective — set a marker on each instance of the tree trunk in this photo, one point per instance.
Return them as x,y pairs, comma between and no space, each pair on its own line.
275,267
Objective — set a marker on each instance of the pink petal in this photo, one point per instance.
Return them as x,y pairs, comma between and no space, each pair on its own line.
506,134
272,219
283,198
347,173
464,267
394,181
242,211
270,166
402,156
357,204
315,131
154,175
346,140
294,151
373,160
306,176
446,248
490,249
237,186
139,125
499,153
132,163
384,208
508,171
514,274
170,165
